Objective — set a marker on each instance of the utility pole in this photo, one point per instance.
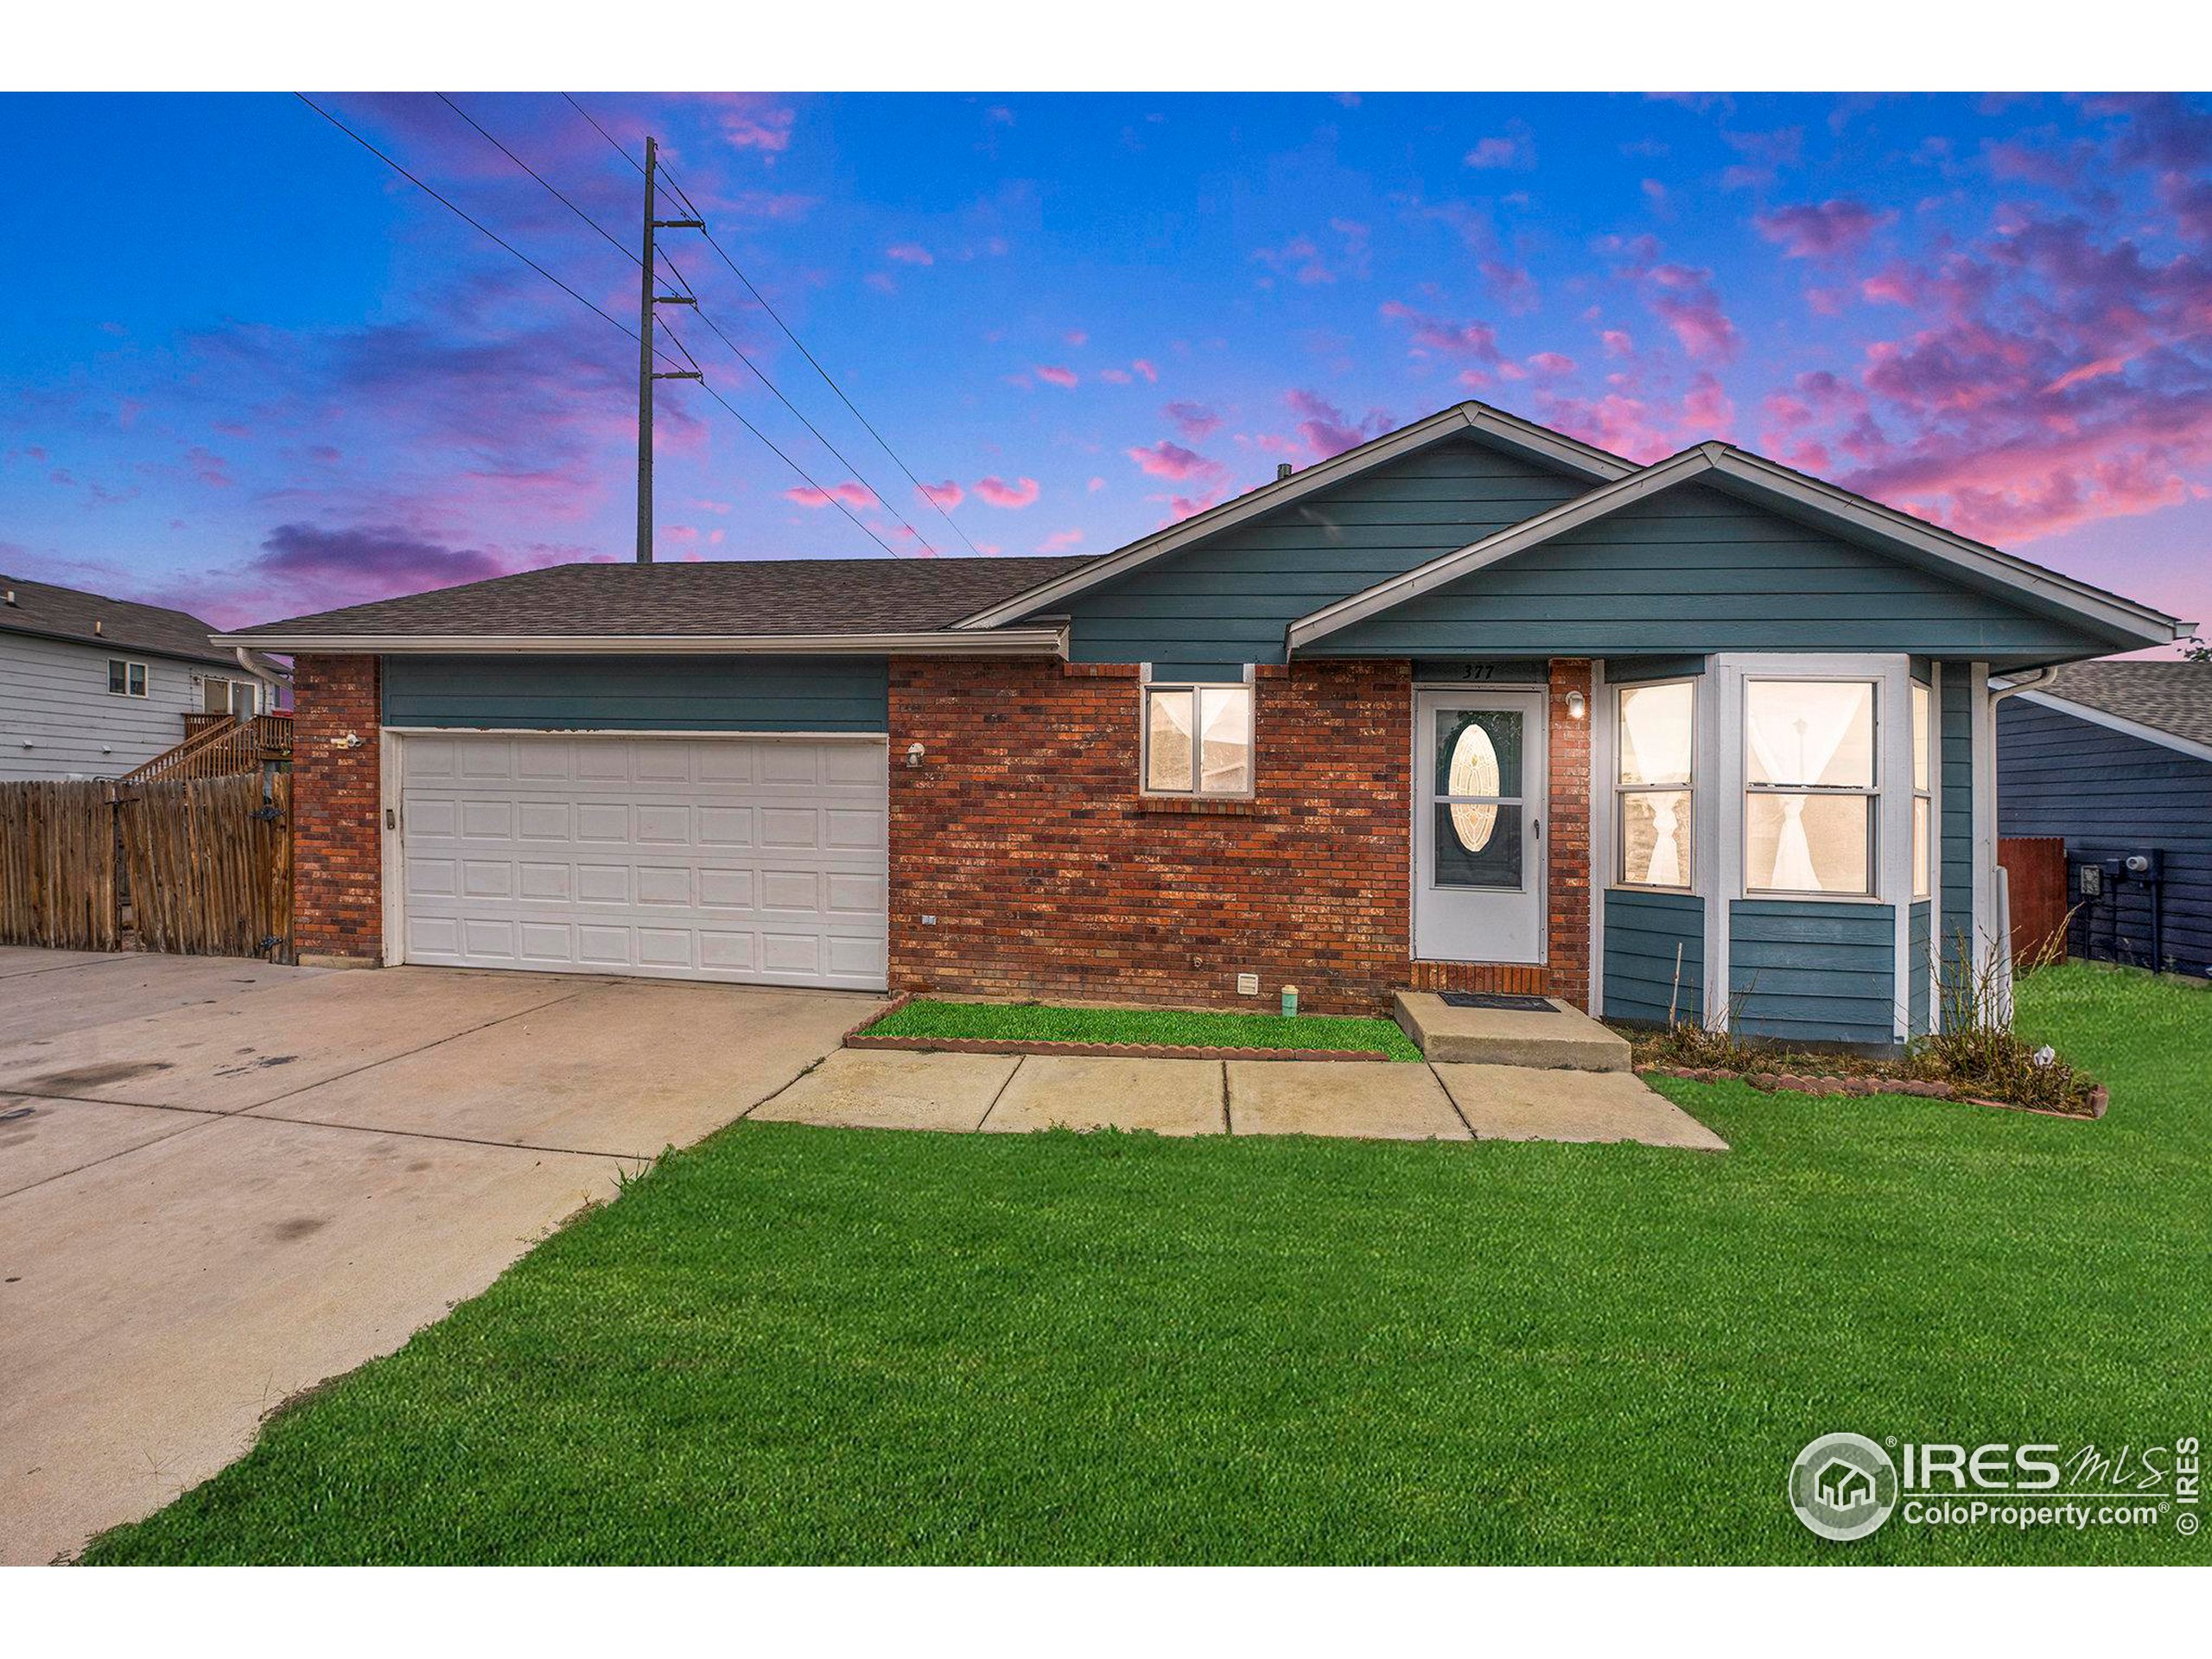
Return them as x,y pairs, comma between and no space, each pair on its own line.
648,299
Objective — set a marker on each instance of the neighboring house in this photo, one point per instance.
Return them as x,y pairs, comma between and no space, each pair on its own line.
91,687
2116,758
1474,706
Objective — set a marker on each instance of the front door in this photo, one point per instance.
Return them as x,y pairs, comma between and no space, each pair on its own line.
1478,827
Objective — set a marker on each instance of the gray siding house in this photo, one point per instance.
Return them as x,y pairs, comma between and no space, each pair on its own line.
2116,759
1474,706
92,687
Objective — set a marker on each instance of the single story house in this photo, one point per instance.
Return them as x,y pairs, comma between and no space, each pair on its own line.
1474,706
92,687
2116,757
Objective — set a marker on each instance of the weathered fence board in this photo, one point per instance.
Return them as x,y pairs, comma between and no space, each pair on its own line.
207,863
210,864
57,865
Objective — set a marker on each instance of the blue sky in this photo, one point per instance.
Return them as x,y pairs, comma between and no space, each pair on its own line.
248,369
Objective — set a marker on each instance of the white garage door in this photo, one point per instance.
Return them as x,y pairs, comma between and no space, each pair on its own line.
753,858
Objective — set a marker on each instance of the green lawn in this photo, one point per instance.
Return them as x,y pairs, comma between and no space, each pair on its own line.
800,1345
1034,1022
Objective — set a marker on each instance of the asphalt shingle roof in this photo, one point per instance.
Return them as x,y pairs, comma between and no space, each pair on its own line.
2173,696
55,613
732,596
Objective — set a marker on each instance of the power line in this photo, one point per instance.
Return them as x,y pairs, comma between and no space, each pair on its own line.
665,261
761,300
614,321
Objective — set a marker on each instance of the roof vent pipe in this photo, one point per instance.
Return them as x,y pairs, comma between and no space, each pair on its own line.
1283,469
11,596
97,626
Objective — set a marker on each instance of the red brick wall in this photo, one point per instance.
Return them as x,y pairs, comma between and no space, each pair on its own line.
1568,833
1023,834
337,856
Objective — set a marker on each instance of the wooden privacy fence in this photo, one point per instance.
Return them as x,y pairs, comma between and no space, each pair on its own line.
2035,873
57,865
206,865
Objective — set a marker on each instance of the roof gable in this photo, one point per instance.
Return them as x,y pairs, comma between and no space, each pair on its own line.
2076,618
1537,446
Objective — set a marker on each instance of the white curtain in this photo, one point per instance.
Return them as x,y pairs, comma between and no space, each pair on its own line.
1795,728
1657,734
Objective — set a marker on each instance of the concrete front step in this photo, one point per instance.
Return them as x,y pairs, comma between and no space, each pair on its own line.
1563,1037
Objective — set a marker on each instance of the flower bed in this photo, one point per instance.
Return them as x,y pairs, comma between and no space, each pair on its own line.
1871,1083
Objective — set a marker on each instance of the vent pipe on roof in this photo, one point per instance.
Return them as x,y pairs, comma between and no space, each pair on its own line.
11,596
1283,469
97,626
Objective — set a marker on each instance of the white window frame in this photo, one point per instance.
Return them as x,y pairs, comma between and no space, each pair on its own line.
1688,786
1196,791
1875,684
1920,699
127,665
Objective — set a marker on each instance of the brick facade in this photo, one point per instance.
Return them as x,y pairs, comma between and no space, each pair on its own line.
337,852
1023,835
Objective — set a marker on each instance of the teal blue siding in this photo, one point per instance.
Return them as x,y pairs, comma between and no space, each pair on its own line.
1648,936
1230,598
1956,862
1919,940
1810,970
637,693
1694,569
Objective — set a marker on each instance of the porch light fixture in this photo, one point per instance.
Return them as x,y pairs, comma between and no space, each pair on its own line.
915,754
350,740
1577,705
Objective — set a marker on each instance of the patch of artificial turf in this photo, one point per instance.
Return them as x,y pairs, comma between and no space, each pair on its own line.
806,1344
1036,1023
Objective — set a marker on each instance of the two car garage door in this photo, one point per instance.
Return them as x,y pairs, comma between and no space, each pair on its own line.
758,860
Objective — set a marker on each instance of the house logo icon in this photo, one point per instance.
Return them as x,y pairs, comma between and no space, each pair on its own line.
1843,1486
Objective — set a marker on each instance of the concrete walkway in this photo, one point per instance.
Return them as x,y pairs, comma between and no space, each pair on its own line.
222,1182
890,1089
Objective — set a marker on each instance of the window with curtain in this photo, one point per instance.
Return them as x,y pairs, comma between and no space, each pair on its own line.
1198,740
1809,805
1924,840
1658,743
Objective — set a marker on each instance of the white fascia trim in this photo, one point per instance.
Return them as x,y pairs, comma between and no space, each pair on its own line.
1556,447
1002,642
2120,723
1515,538
2017,576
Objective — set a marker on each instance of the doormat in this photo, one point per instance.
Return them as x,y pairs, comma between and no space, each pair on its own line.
1496,999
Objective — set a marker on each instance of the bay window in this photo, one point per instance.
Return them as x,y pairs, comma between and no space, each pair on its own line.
1810,797
1652,789
1198,740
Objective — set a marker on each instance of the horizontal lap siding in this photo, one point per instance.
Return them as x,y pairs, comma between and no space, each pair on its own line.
1919,938
2109,795
1812,971
1694,569
1229,600
59,720
1648,936
638,694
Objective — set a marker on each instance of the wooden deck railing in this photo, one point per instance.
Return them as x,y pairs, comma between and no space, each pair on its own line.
218,746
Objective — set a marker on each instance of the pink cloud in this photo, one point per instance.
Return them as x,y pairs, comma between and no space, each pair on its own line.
1325,430
1824,230
1553,363
753,127
947,495
910,253
999,493
1514,149
1194,420
1146,369
1169,460
855,496
1077,338
1617,343
1054,374
1685,301
1061,540
1477,339
1117,376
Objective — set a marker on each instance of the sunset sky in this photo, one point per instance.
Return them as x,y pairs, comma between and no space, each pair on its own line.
246,368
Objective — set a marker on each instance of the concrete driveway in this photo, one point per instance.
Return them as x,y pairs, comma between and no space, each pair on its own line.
222,1181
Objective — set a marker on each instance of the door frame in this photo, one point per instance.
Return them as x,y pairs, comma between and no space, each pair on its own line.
391,791
1536,788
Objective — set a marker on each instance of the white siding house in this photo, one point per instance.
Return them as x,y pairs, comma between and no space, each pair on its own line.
91,687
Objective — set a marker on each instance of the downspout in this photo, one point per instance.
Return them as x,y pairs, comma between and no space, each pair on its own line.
245,655
2001,887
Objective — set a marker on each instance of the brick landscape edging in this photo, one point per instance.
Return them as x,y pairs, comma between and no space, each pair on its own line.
1792,1082
1111,1051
